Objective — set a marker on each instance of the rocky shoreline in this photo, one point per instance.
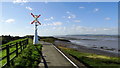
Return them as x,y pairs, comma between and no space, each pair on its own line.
85,49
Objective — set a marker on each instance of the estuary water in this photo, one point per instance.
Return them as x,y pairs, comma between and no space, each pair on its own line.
103,42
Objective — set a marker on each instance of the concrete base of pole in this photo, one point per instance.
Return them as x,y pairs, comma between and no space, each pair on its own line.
35,40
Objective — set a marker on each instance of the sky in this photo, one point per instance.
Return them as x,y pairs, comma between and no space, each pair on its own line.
59,18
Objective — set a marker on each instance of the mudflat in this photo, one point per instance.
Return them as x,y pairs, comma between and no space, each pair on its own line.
86,49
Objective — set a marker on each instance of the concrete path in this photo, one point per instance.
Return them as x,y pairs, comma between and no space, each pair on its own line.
52,58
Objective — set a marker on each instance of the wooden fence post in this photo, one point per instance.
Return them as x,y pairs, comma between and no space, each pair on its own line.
26,42
16,49
7,53
20,46
23,44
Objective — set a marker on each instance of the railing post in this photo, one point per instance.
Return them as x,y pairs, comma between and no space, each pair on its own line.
7,53
20,46
26,42
16,49
23,44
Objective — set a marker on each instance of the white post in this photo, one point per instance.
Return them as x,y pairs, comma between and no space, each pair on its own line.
35,41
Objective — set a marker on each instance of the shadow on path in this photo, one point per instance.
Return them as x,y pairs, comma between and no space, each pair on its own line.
44,61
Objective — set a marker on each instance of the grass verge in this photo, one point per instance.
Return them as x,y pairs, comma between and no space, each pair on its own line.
30,57
93,60
13,48
52,39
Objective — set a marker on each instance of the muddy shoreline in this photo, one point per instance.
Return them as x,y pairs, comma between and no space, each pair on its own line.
85,49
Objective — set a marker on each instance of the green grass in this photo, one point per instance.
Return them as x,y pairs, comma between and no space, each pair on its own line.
12,42
94,60
3,52
29,57
52,39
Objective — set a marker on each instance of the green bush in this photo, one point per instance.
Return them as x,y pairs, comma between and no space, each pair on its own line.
13,48
30,57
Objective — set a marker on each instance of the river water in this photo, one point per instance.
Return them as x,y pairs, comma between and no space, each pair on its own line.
109,43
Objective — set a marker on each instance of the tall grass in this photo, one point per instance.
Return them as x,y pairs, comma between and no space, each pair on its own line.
93,60
3,52
30,57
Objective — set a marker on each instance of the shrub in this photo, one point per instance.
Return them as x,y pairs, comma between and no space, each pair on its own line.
30,57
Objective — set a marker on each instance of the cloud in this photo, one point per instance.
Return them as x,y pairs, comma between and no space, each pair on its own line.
81,7
77,21
96,9
67,12
1,21
20,1
54,28
7,21
46,1
60,28
70,15
91,30
57,23
81,28
107,18
76,29
73,16
29,8
48,19
53,24
10,21
106,29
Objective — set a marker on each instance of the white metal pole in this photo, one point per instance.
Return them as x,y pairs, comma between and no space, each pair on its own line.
35,41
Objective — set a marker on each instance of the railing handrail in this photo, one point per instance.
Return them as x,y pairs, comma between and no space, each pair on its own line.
22,45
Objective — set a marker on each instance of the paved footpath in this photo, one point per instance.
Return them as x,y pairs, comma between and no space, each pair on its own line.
52,58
